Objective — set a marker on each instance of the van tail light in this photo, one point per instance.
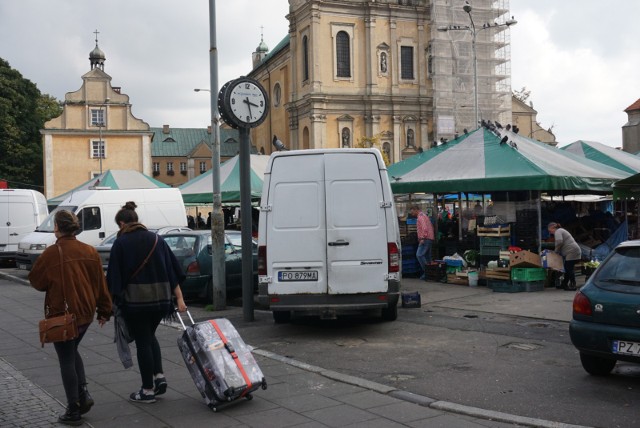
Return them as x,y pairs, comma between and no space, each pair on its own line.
394,257
581,305
193,268
262,260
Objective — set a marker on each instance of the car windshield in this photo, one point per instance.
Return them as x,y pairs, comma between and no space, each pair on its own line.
236,240
622,267
47,224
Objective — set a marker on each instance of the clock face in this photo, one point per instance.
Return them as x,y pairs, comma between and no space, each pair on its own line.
246,102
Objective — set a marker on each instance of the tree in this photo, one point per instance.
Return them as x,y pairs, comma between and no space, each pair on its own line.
368,142
23,112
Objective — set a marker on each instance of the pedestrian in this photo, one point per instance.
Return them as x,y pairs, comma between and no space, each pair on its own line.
570,251
143,275
425,239
70,273
209,220
200,224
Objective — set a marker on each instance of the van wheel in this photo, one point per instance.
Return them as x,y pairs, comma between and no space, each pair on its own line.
390,313
281,317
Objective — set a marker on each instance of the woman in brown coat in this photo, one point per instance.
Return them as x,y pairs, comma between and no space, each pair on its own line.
85,292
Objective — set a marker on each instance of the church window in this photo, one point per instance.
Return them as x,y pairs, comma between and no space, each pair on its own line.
305,58
343,55
406,62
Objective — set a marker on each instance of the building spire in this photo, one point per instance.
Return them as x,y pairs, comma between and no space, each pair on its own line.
97,57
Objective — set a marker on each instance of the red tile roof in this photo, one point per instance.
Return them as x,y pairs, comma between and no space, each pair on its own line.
634,106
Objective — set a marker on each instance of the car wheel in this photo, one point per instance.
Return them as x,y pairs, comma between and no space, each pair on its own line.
596,366
390,313
281,317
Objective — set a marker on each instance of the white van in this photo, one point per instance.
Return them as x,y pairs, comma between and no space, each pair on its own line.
328,239
21,211
96,209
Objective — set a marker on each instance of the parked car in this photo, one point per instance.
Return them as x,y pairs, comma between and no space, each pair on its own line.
606,312
193,251
104,248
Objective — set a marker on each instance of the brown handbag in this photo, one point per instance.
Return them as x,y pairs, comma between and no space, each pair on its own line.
62,327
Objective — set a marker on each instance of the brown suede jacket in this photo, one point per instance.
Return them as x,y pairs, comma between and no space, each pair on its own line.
85,285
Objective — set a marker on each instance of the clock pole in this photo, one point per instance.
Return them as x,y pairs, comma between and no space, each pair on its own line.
246,224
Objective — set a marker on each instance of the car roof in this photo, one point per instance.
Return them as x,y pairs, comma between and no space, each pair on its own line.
630,243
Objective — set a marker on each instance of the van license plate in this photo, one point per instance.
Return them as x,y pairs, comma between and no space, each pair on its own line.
298,275
626,348
22,266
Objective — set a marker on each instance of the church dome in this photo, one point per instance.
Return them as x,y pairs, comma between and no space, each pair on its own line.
262,47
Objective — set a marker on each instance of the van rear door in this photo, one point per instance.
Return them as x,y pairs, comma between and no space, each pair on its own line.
356,224
296,226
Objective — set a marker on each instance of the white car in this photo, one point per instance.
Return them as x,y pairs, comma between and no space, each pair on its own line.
104,248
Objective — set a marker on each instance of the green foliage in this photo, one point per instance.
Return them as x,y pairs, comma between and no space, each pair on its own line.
23,112
369,142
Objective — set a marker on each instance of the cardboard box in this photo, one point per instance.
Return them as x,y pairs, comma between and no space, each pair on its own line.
552,260
525,259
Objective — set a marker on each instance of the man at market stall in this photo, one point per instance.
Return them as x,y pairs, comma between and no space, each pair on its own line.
425,239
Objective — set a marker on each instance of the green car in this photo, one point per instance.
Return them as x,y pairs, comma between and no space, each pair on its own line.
606,312
193,251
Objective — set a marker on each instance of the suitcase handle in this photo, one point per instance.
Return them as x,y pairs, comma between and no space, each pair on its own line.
184,327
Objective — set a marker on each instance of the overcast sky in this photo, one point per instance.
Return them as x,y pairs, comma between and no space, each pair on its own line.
578,58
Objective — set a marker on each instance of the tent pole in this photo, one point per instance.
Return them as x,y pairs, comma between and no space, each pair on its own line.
539,206
459,217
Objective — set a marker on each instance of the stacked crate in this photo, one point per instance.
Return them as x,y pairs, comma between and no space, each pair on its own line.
530,279
526,229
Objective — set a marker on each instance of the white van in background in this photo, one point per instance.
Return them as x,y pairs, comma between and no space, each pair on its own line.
96,209
328,240
21,211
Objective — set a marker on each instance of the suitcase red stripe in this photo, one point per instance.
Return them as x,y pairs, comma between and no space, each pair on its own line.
232,351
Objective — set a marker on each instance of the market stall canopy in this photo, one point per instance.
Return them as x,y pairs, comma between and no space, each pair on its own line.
604,154
484,161
629,188
113,179
200,189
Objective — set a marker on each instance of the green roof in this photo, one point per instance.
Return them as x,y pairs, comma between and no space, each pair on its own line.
280,46
179,142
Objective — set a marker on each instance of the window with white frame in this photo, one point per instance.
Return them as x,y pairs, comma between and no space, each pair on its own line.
183,167
97,117
98,149
169,166
203,167
156,167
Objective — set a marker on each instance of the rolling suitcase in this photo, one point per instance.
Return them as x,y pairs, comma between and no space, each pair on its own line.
220,363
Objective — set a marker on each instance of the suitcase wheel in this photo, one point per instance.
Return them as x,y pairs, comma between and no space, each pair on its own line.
213,407
264,383
249,397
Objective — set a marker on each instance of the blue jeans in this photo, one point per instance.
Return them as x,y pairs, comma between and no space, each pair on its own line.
423,254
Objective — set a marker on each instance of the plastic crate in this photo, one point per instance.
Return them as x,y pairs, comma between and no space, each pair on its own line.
411,299
453,262
528,274
454,269
499,286
530,286
490,241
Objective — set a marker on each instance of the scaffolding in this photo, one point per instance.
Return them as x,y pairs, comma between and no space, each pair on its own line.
450,62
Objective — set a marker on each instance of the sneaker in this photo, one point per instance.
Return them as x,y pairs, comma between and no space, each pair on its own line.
160,386
141,397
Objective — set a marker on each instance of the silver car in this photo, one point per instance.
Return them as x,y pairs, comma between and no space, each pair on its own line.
104,248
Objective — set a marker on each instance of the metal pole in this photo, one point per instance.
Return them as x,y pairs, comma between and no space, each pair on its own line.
245,212
217,218
475,67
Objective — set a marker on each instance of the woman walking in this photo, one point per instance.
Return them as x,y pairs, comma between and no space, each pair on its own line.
70,273
143,275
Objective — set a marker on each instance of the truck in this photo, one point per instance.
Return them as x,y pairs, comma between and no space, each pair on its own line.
328,239
96,209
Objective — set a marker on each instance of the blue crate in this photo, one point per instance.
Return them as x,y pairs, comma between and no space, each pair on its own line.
530,286
456,263
501,286
411,299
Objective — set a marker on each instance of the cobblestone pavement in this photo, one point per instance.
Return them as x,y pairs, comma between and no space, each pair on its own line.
23,403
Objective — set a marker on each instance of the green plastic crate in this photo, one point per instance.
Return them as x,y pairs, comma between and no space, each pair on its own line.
528,274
